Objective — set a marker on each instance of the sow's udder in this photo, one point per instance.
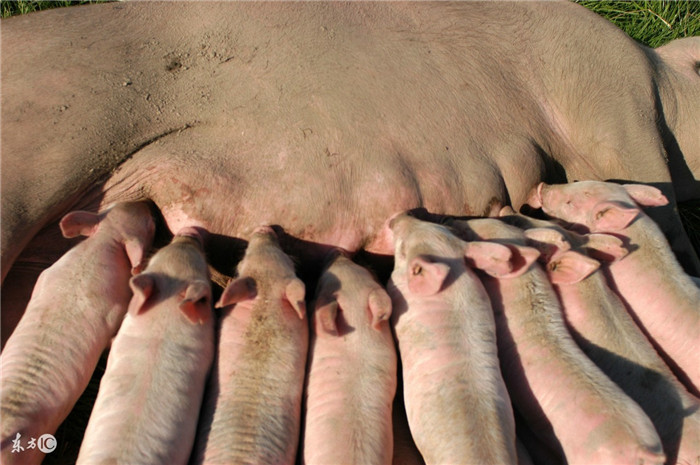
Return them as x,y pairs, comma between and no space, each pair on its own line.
319,190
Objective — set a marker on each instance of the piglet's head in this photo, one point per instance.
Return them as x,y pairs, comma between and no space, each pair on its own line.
594,206
244,288
194,300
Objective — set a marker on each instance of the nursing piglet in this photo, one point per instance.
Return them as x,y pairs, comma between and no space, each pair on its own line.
456,402
252,411
661,296
609,336
76,308
150,395
565,399
351,379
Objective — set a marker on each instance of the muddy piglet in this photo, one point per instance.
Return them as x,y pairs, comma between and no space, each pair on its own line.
663,299
572,407
76,308
252,410
150,395
351,378
456,401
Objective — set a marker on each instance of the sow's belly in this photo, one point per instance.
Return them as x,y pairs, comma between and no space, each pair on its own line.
321,191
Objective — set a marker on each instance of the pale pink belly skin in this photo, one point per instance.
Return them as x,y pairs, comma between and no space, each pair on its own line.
563,396
602,327
457,406
252,410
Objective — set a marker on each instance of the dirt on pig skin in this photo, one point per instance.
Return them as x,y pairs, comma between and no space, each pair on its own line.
76,308
252,408
565,399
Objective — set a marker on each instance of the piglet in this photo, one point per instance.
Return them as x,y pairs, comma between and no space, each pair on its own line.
351,378
150,395
565,398
252,411
663,299
605,331
457,404
76,308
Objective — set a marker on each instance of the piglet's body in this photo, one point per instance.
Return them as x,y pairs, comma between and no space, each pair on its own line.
456,402
565,399
252,411
75,310
662,297
605,331
351,378
150,395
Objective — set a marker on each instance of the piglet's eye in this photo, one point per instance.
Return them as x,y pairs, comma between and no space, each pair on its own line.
417,270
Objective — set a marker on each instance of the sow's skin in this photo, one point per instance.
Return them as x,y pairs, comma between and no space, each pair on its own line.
387,98
565,398
351,380
48,361
150,395
252,410
601,326
457,404
663,299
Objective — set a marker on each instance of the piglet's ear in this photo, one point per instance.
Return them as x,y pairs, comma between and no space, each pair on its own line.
136,251
296,293
548,241
604,247
570,267
493,258
238,290
142,286
521,259
79,223
379,306
425,277
196,304
646,195
612,216
326,314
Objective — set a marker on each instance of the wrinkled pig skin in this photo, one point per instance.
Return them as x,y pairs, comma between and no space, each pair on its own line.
48,361
408,101
601,326
456,402
252,411
663,299
566,400
150,395
351,375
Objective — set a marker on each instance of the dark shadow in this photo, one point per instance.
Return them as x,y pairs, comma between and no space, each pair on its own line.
519,390
648,388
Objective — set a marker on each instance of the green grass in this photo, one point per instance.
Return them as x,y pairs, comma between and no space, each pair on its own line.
20,7
652,23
